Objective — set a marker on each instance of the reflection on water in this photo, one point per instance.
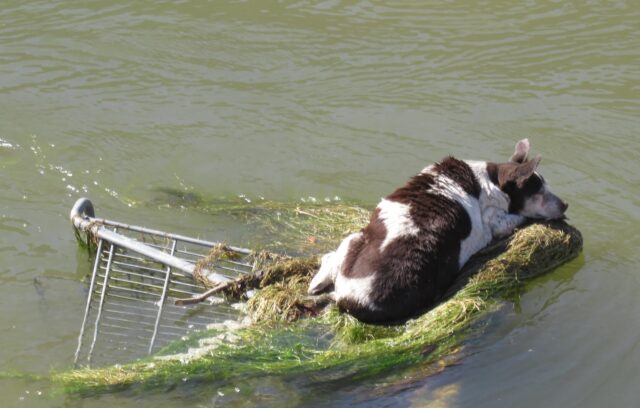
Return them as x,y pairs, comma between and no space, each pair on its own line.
285,100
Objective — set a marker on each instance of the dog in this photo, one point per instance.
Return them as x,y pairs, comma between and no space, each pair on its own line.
420,236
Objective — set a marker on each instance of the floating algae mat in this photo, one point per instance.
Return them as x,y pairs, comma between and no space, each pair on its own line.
309,226
289,336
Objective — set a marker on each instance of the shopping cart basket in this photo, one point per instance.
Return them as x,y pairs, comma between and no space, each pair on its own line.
137,275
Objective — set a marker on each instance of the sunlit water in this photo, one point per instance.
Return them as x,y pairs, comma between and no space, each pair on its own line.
294,99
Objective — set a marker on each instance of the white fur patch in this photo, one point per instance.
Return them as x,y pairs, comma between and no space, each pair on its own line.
490,194
477,238
428,169
355,289
331,265
397,220
494,205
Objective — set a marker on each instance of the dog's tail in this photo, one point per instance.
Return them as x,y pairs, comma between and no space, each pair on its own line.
323,281
331,266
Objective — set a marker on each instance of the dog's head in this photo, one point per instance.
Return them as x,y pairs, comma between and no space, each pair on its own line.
527,190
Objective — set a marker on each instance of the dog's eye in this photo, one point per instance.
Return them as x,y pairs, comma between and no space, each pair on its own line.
533,185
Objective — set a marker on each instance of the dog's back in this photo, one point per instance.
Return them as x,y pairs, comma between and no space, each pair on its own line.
409,254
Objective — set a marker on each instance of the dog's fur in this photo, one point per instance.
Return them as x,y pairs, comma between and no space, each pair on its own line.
421,235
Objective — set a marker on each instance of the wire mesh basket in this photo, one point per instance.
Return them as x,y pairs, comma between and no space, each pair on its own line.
137,275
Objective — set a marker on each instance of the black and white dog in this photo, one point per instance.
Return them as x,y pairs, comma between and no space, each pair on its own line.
421,235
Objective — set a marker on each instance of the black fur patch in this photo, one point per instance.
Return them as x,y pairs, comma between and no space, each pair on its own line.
461,173
519,192
508,176
492,171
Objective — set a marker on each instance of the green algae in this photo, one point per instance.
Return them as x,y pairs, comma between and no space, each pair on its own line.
304,227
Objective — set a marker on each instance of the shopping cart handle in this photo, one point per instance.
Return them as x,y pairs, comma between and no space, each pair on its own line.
82,208
83,219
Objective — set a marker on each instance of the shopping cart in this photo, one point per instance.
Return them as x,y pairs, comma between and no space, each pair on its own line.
137,275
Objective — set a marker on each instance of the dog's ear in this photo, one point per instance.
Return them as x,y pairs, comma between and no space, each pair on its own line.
522,151
526,170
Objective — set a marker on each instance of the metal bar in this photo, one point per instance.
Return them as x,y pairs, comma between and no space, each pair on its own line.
88,305
136,283
123,339
219,265
168,235
119,332
129,274
138,267
145,250
182,275
114,295
190,256
189,285
140,292
102,296
162,299
135,258
137,316
137,323
136,308
138,326
183,315
203,320
184,292
134,329
175,282
82,217
160,247
81,212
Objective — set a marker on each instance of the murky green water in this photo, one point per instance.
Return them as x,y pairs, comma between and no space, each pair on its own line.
294,99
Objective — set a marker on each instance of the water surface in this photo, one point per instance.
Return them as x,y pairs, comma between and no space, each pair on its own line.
287,100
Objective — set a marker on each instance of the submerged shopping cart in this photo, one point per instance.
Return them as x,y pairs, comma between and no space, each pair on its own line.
138,273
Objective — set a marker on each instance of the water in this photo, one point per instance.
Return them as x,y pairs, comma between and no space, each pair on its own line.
291,99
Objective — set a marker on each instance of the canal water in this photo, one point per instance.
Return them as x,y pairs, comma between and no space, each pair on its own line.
119,101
